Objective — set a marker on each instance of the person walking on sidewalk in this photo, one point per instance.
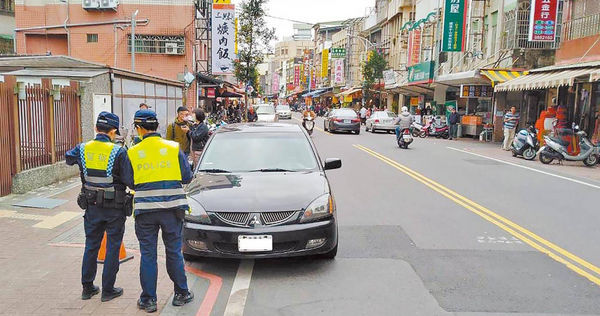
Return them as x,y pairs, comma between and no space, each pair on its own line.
199,135
511,120
453,120
157,170
103,197
178,131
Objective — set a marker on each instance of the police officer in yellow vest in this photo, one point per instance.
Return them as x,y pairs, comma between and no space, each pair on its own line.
157,171
106,204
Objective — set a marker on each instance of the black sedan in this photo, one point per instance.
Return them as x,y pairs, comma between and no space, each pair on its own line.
344,119
260,191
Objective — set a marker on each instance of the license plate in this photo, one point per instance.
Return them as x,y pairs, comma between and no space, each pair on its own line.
255,243
406,137
346,121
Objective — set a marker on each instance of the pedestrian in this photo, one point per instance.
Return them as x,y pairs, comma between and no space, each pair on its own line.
101,164
156,172
199,135
178,131
252,117
368,114
363,115
143,106
511,120
453,120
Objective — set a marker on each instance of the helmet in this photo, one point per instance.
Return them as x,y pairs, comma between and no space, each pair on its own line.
404,109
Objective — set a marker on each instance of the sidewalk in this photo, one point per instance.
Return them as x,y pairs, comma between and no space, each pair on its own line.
41,267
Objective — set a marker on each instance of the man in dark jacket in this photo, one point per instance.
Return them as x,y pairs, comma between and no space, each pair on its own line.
453,122
199,135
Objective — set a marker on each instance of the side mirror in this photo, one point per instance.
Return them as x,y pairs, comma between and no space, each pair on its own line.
332,163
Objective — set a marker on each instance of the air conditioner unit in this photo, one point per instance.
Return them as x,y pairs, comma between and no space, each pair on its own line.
109,4
171,49
91,4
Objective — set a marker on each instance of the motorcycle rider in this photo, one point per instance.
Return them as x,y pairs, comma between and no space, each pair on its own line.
404,121
307,112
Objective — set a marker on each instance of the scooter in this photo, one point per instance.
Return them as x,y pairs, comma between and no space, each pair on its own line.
418,130
526,144
309,124
556,148
404,138
442,131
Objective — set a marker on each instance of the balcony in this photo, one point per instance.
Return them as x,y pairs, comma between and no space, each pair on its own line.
581,27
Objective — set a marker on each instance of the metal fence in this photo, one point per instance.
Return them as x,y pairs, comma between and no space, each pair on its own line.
6,140
34,128
581,27
66,122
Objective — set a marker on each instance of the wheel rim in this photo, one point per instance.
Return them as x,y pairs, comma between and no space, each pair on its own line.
592,160
529,153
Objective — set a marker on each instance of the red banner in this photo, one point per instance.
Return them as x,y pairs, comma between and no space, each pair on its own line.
542,20
296,76
210,92
414,47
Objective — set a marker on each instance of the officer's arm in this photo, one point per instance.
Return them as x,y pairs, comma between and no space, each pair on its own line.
186,170
126,171
72,156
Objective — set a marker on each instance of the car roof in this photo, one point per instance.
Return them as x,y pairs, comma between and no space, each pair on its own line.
260,128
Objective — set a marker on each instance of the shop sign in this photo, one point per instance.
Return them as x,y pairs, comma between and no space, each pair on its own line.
476,91
453,31
296,76
348,98
275,84
211,92
223,38
338,52
414,47
339,72
420,73
389,78
325,63
313,79
542,20
414,101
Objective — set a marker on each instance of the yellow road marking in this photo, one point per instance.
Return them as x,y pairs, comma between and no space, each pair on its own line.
317,128
497,220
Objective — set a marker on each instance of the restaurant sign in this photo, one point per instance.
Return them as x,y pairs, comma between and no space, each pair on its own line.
453,32
476,91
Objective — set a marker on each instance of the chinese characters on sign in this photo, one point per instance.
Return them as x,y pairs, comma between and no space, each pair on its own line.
325,63
542,20
275,86
296,76
223,38
414,47
453,34
339,72
338,52
476,91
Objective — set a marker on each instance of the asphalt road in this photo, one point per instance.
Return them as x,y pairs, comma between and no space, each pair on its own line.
430,231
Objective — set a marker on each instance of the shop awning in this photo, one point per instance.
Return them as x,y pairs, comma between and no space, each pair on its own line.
497,76
351,91
545,80
465,77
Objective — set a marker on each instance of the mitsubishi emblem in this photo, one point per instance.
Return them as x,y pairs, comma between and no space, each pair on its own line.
255,220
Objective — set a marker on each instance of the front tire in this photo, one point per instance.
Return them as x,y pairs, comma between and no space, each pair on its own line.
358,132
591,160
529,154
545,159
423,134
415,133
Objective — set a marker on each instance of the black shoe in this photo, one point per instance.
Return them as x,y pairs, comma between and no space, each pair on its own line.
148,306
181,299
109,295
88,292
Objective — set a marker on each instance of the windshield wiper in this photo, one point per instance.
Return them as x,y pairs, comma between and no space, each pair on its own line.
271,170
214,171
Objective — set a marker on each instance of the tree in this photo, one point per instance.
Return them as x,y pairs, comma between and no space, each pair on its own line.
254,38
373,70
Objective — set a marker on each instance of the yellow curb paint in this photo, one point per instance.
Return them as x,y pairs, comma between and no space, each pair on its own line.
57,220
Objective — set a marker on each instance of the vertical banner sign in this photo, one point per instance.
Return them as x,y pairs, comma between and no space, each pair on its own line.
453,32
325,63
542,20
313,79
236,35
223,37
296,76
275,84
414,47
339,72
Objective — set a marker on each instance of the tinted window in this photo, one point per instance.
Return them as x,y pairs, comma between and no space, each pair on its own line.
345,112
283,108
242,152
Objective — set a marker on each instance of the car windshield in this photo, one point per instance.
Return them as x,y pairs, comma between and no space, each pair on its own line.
345,113
246,152
384,114
283,108
265,109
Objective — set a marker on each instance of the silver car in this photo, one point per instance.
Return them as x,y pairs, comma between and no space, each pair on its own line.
381,121
284,112
266,113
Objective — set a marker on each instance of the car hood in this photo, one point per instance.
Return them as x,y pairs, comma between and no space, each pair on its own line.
250,192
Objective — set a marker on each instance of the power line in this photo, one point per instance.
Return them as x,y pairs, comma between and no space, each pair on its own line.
290,20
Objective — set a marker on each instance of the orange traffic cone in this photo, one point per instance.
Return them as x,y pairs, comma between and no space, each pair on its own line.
122,253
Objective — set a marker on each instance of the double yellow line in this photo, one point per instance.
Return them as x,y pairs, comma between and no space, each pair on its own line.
573,262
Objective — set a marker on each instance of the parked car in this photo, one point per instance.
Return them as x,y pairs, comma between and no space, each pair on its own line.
381,121
266,113
284,112
342,120
238,208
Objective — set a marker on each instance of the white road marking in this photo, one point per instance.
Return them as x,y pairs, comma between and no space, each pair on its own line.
47,222
498,240
528,168
239,290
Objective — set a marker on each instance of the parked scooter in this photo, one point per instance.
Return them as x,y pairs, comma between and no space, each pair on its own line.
556,148
526,143
309,124
432,129
404,138
418,130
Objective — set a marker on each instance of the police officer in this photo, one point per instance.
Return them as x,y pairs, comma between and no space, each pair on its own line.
157,170
103,197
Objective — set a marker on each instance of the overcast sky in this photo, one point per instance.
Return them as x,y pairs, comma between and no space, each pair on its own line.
312,11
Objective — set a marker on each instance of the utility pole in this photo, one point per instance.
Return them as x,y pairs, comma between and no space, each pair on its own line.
133,17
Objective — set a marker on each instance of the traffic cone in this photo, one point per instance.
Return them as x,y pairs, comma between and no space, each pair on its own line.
122,253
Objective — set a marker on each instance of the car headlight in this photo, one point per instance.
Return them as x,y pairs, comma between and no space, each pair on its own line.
322,207
196,213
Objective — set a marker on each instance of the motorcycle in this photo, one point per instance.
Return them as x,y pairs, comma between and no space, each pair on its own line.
418,130
309,124
404,138
557,148
526,143
432,129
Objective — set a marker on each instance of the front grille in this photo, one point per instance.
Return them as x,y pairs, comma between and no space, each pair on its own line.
236,219
272,218
278,247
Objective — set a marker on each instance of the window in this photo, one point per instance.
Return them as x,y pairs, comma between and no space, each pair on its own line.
92,38
157,44
7,6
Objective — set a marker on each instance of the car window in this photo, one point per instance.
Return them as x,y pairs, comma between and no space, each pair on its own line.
243,152
345,112
283,108
265,109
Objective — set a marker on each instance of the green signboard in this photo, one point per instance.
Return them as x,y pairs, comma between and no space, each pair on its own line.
453,32
338,52
420,73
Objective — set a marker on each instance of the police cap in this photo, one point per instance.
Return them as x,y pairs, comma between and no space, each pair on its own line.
144,116
108,119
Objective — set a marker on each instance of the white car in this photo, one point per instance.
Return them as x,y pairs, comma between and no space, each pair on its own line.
381,121
284,112
266,113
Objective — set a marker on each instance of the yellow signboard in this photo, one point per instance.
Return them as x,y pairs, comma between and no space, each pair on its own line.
236,33
348,98
325,63
414,101
221,1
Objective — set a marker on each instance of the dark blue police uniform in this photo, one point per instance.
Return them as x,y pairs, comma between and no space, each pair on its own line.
101,165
